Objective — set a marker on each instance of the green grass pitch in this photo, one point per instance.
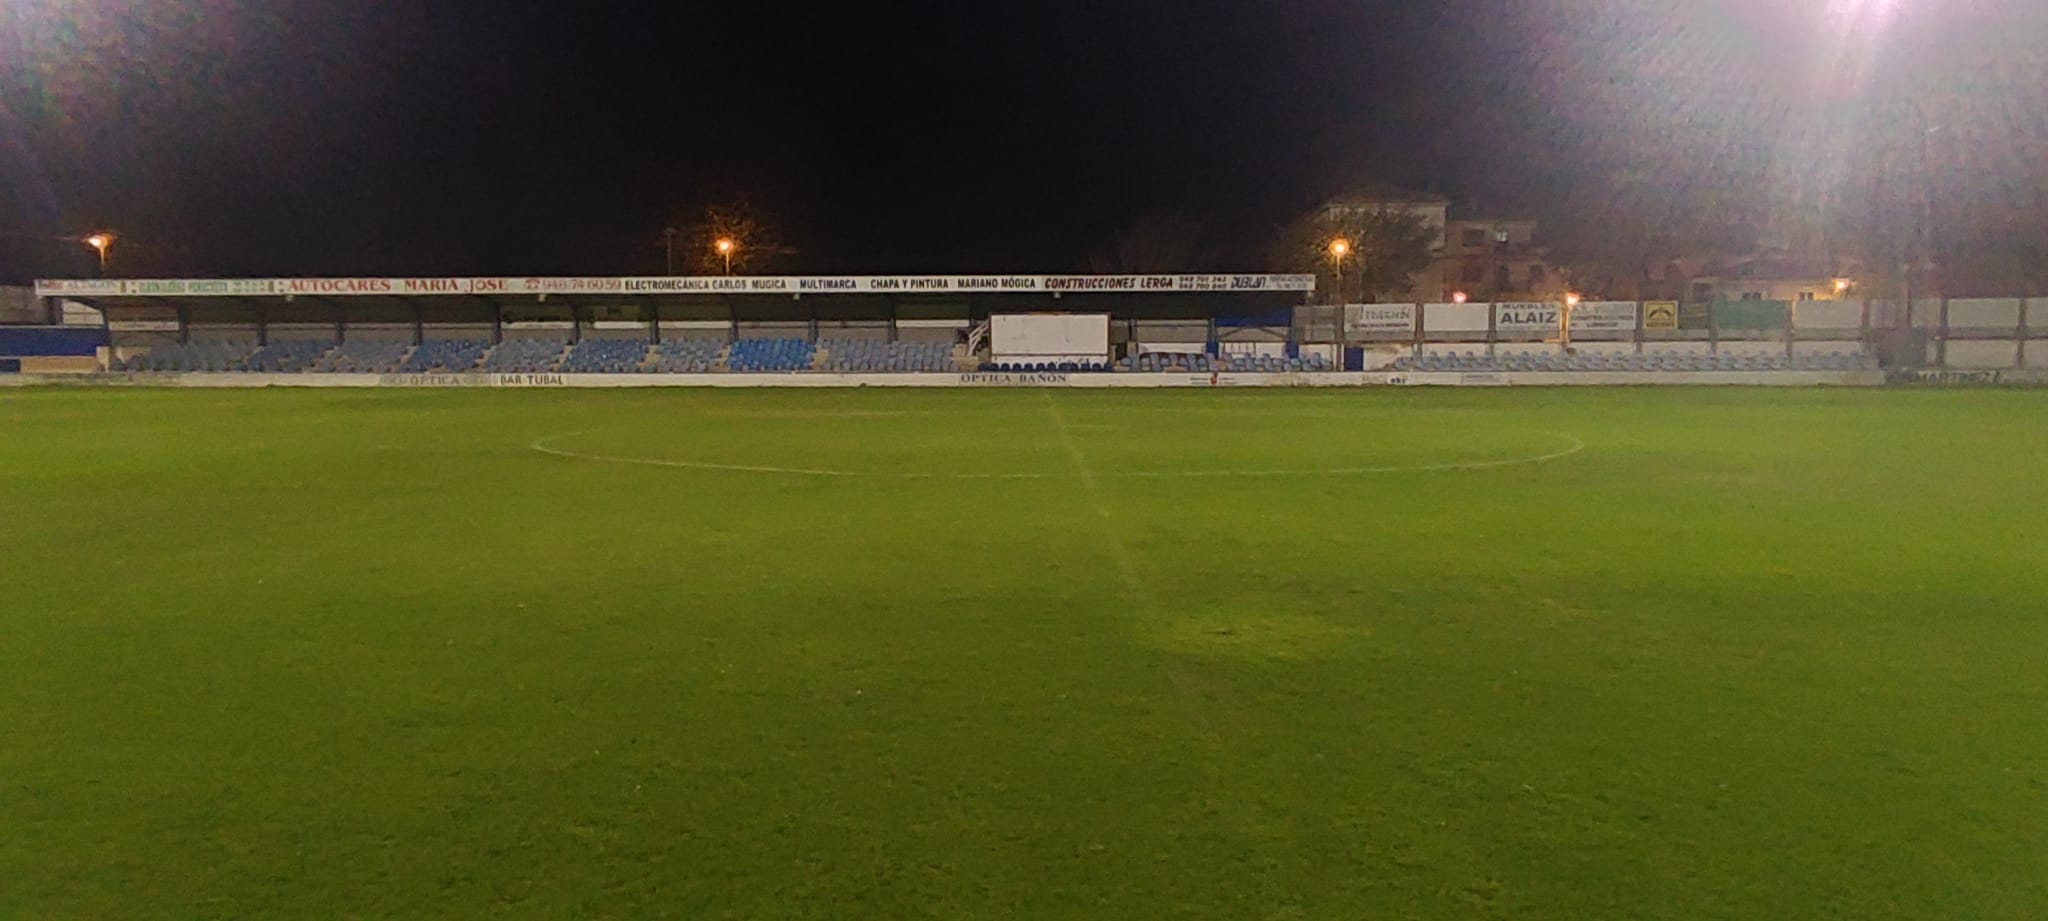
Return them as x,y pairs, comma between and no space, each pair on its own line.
1624,654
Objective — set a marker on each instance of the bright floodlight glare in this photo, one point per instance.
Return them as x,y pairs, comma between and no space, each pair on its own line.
1459,297
100,241
1572,299
1340,247
1841,285
725,244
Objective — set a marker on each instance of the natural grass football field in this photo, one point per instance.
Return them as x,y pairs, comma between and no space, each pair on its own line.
1747,654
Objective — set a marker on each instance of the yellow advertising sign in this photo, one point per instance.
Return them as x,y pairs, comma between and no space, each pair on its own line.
1660,314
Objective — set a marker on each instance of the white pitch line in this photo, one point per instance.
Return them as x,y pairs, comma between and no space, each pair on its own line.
545,445
1117,551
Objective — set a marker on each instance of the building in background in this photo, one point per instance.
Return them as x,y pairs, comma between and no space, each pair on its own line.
1771,278
1495,259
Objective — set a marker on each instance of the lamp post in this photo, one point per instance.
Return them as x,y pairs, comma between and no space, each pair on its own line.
1564,320
101,242
1339,250
668,249
726,246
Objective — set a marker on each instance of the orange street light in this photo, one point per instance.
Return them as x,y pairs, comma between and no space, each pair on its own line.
100,242
726,246
1339,248
1459,297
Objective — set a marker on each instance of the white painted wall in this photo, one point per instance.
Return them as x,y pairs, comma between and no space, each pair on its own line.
1377,357
1991,314
1983,353
1752,348
1818,316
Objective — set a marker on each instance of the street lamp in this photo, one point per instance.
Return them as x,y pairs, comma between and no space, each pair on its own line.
1339,249
668,249
726,246
100,242
1564,320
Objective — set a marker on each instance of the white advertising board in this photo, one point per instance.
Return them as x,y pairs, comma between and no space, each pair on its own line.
1455,318
1379,321
1529,320
1049,336
1604,317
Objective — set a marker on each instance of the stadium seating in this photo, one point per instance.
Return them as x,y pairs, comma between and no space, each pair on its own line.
1068,367
361,357
288,356
197,355
524,356
444,356
1198,363
1654,361
875,355
606,356
686,356
756,355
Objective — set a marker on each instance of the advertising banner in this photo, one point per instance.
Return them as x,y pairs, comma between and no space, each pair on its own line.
793,285
1604,317
1660,314
1533,320
1379,321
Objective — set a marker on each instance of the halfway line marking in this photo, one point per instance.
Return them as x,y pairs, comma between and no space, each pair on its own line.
1571,445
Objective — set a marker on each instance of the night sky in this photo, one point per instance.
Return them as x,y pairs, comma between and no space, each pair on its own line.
307,137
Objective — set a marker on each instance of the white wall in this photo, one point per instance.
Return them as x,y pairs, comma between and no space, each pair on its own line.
1990,314
1752,348
1376,356
1827,315
1827,347
2037,353
1983,353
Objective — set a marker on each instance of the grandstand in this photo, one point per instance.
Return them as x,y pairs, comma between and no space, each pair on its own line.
1143,325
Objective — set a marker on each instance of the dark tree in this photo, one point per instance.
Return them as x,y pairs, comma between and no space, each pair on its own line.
1161,243
1358,256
